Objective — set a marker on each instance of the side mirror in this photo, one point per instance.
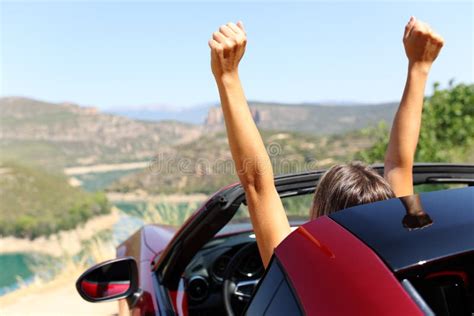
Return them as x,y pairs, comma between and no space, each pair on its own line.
109,280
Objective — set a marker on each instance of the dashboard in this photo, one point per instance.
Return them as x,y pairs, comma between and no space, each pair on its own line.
205,275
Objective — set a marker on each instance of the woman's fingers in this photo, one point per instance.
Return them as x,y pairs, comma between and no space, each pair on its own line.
439,40
214,45
218,37
409,27
240,24
234,28
227,49
227,31
230,35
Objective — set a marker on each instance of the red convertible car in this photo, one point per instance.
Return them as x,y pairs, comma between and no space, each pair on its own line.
405,256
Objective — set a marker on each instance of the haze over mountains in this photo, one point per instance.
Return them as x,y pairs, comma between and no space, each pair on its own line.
61,135
318,118
64,134
311,118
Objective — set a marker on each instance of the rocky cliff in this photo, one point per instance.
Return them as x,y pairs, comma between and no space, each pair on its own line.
312,118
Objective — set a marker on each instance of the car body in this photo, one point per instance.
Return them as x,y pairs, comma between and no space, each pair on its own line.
407,256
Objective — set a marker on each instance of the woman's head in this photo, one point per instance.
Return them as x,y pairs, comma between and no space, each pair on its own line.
347,185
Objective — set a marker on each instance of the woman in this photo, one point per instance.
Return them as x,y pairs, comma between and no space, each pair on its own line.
343,185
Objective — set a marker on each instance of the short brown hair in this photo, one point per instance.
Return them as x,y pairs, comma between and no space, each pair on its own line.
347,185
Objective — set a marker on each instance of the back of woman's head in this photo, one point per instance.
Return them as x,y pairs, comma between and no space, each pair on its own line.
347,185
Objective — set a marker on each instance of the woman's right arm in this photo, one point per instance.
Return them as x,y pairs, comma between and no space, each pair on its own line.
251,160
422,46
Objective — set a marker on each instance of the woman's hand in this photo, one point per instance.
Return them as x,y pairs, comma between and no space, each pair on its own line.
227,49
422,44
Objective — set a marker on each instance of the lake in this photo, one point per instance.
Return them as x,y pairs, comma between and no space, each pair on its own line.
20,268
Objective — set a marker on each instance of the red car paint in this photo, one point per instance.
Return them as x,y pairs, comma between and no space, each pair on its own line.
144,245
338,273
104,289
349,275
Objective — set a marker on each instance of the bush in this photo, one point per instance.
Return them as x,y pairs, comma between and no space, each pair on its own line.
447,130
37,203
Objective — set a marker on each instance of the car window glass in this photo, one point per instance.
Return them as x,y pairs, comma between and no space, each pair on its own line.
283,302
273,295
296,208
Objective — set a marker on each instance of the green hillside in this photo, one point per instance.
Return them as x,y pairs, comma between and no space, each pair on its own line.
38,139
205,165
58,135
35,202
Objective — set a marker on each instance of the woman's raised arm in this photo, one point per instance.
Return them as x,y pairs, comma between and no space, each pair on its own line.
422,46
248,151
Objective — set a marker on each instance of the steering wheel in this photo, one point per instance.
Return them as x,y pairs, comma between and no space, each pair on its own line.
235,291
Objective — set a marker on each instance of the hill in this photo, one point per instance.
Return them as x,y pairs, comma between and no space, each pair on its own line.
58,135
188,158
35,202
205,165
316,119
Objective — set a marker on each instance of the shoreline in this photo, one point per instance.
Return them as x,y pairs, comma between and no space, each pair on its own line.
101,168
40,296
140,196
62,243
69,242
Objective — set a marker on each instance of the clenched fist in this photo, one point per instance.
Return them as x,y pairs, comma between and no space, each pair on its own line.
422,44
227,48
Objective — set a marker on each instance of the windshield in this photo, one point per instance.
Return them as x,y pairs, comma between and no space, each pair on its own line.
297,208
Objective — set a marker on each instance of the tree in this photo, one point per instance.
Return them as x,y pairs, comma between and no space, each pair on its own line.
447,130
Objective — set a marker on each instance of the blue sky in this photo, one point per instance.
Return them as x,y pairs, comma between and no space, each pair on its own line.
132,54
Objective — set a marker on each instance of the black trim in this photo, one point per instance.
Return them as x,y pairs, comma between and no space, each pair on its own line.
404,238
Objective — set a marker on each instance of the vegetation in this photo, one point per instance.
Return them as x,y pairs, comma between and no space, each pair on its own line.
447,132
205,165
173,214
60,135
36,203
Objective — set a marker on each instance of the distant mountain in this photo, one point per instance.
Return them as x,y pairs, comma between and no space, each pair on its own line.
311,118
192,115
330,117
67,134
183,157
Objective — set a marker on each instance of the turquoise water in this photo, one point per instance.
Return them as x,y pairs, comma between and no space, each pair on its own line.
13,267
20,268
93,182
